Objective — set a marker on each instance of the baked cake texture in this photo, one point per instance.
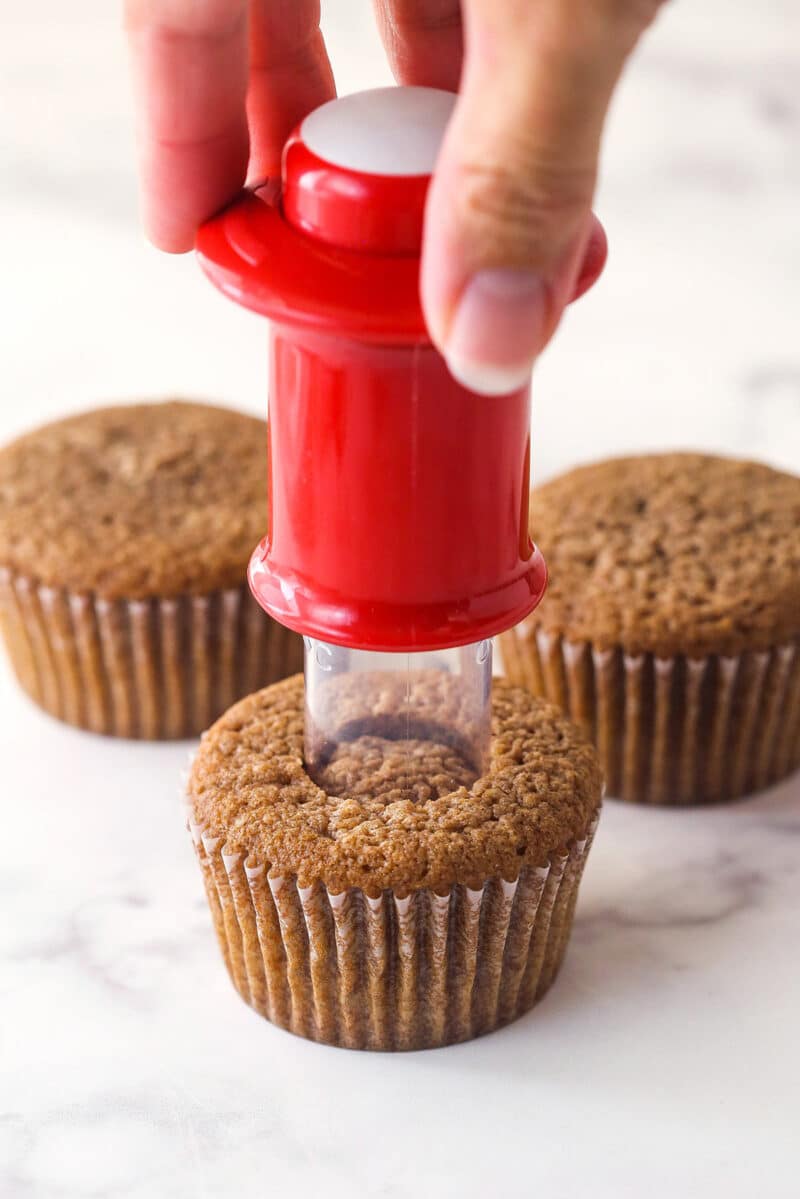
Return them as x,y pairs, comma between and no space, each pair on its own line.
357,918
125,534
671,625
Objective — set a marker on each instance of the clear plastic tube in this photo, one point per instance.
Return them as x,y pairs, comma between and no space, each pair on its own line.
397,724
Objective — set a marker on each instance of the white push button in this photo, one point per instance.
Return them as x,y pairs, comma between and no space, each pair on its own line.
387,131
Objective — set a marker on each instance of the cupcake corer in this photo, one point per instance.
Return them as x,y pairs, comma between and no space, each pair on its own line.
398,512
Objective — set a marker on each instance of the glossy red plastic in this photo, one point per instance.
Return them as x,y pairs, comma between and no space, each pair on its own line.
398,499
372,214
254,256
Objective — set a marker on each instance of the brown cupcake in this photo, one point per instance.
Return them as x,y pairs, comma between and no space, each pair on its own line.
671,626
124,540
367,920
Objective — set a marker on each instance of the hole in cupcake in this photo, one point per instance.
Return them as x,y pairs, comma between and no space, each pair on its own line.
392,758
412,732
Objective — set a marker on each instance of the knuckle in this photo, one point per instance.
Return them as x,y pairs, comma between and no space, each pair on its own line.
512,216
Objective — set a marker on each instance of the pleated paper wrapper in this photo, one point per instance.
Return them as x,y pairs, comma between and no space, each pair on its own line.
154,669
390,972
676,730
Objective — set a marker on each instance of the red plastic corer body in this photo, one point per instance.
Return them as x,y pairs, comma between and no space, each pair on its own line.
398,500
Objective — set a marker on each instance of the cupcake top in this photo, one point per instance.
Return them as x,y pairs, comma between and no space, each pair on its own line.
671,554
135,501
249,786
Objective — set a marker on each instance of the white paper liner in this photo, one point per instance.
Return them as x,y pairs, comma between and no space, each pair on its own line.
676,730
152,669
390,972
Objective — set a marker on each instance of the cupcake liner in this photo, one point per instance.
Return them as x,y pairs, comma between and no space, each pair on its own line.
151,669
671,730
392,971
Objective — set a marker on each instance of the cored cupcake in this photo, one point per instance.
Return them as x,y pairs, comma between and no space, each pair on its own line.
125,534
671,626
375,912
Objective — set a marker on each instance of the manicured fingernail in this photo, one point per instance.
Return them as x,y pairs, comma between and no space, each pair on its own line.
488,380
496,331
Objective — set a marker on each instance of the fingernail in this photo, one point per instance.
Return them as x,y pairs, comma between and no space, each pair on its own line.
496,331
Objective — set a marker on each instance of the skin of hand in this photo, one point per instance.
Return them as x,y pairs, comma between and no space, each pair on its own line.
509,235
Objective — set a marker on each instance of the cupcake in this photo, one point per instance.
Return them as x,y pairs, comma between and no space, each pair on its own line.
361,914
124,539
671,626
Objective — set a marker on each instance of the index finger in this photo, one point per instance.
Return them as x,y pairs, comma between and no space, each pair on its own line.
193,62
190,72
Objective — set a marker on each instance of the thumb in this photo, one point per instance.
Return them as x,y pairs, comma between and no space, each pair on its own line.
508,218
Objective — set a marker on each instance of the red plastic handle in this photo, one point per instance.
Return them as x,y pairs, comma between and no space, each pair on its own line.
398,500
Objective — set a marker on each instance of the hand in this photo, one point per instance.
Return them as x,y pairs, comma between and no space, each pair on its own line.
221,83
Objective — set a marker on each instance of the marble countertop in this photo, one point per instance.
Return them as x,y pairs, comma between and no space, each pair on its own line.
666,1059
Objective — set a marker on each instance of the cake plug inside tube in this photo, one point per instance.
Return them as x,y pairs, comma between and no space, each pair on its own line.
398,505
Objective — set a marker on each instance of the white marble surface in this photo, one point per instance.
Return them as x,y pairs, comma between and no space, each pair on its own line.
666,1060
